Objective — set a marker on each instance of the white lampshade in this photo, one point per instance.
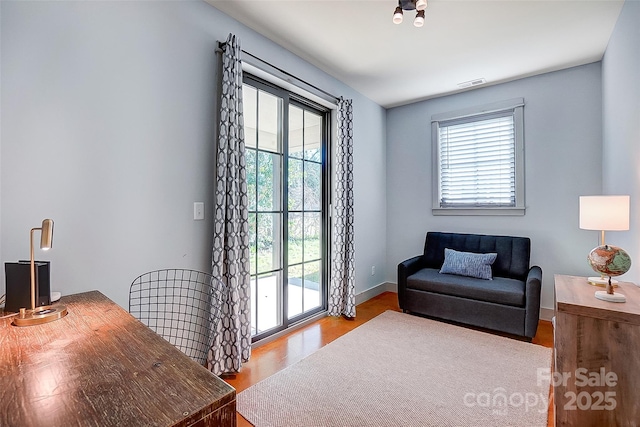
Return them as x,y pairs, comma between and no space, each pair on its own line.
421,4
605,213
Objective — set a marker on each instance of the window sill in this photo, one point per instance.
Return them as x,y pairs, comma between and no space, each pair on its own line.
479,211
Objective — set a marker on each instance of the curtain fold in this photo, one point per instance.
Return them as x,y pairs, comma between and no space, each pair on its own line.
231,344
342,298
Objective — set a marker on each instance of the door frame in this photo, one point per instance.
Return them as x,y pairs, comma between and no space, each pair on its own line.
290,98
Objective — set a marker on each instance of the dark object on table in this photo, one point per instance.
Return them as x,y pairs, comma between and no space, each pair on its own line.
18,285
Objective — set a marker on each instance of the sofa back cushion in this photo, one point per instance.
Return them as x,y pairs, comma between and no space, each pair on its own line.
513,252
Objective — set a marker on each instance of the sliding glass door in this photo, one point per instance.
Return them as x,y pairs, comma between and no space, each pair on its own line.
286,151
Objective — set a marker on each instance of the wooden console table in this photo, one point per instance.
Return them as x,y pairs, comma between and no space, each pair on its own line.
99,366
597,349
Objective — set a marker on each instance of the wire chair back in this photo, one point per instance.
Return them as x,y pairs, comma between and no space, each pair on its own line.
183,306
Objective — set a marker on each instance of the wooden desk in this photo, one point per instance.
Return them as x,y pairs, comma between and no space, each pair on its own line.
593,335
98,366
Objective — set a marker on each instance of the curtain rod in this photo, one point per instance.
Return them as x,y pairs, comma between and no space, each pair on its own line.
244,52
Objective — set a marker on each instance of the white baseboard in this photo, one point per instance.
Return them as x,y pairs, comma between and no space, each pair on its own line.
366,295
546,313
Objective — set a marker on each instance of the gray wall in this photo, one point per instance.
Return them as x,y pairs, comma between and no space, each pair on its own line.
107,113
1,258
621,126
563,132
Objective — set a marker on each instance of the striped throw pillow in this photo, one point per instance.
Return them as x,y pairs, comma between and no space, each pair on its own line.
468,264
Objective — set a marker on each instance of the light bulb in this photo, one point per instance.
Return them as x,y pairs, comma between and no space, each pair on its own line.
421,4
419,21
397,15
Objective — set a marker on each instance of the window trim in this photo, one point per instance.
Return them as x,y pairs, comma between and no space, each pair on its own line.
517,106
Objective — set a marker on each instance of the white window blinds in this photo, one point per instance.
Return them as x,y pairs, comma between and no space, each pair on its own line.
477,157
478,160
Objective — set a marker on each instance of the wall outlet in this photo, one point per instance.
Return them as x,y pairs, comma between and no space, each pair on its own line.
198,210
373,270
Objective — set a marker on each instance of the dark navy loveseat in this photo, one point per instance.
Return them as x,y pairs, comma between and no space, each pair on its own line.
509,303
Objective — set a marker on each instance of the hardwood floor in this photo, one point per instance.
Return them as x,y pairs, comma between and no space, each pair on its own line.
270,358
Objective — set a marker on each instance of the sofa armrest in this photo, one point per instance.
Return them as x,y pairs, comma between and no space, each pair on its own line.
533,287
405,269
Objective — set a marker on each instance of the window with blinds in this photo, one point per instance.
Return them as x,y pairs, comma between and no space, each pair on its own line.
479,161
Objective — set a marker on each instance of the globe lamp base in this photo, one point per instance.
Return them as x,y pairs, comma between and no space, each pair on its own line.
601,281
604,296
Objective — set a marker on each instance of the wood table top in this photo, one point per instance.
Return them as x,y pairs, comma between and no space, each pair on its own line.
576,296
99,366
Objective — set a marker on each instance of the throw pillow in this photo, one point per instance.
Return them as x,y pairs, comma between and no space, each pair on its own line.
468,264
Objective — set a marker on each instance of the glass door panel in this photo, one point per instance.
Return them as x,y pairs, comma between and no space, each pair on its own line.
269,243
304,210
312,136
296,238
263,146
269,117
250,111
312,186
266,302
296,132
312,288
269,182
296,184
312,236
295,290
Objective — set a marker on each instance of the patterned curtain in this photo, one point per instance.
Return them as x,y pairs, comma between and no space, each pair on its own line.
230,254
342,295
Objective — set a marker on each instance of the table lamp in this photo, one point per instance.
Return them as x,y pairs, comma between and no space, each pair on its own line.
46,314
604,213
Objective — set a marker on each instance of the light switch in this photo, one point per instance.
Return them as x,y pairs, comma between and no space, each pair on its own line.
198,210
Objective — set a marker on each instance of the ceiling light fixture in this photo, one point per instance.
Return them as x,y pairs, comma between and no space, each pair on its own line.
418,5
397,15
419,21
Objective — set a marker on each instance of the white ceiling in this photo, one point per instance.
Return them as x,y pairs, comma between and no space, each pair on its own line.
500,40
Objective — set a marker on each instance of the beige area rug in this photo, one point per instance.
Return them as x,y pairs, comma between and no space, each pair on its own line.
402,370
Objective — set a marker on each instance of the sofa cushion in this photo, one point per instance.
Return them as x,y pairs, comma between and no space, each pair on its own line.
468,264
500,290
513,252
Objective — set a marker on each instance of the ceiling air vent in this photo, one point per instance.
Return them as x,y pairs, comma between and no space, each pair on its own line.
470,83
